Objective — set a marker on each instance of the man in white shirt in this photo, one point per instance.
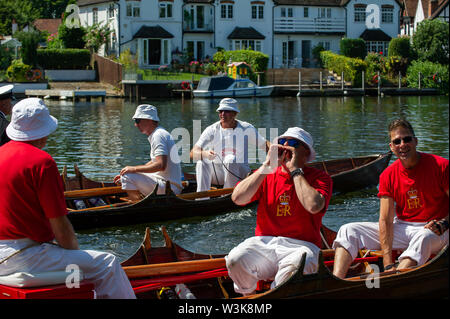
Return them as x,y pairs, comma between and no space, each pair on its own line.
164,164
222,149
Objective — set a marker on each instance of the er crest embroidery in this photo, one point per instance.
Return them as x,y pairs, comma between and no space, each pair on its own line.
413,200
283,209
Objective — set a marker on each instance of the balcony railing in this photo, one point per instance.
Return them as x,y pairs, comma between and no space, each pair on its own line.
313,25
190,26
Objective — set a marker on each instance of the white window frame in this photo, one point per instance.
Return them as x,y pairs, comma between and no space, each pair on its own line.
257,12
325,44
111,11
287,12
359,15
387,15
226,11
94,16
241,44
133,9
165,10
323,13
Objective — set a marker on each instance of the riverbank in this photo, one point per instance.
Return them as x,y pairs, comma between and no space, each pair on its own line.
141,90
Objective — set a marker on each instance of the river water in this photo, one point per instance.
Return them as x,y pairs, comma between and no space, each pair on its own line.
100,138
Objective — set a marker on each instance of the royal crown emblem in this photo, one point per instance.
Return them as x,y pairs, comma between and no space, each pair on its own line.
284,199
412,193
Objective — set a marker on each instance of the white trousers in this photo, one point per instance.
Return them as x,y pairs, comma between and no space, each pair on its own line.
102,269
268,258
146,183
417,242
227,174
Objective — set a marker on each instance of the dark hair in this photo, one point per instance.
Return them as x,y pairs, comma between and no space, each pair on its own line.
400,123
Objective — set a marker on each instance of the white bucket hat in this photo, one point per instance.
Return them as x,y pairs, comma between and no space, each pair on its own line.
30,120
301,135
146,111
228,104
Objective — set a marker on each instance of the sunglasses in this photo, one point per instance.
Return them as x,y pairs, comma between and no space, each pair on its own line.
292,143
137,121
406,139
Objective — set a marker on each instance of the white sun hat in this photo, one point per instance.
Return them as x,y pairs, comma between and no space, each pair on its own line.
228,104
30,120
303,136
146,111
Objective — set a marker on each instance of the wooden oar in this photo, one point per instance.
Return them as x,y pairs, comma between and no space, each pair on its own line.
91,192
102,191
172,268
210,193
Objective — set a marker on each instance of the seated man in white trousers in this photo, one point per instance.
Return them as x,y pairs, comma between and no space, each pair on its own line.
414,208
35,234
164,164
222,149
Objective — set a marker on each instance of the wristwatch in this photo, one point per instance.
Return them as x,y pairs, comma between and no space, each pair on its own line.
297,171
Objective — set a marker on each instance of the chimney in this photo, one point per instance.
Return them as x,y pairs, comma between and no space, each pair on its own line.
432,6
13,26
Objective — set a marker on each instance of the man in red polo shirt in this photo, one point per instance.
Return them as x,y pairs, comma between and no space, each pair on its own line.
35,234
414,208
292,201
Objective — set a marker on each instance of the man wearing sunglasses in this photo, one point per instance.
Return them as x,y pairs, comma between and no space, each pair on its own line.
164,164
414,208
292,199
221,152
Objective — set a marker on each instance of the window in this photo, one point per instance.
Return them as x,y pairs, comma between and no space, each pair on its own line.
111,11
387,14
257,12
360,14
305,12
324,12
377,46
165,10
133,9
226,11
94,16
255,45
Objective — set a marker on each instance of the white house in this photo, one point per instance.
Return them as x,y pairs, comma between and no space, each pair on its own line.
285,30
375,21
301,25
415,11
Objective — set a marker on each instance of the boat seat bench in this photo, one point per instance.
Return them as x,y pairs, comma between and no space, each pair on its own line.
85,291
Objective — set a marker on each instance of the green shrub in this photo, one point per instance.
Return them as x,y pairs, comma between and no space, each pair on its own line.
353,48
30,41
396,64
400,47
17,71
64,59
433,75
257,60
6,56
72,38
316,54
352,67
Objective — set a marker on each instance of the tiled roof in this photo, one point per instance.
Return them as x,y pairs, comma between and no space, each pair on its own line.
374,35
439,9
246,33
156,32
50,25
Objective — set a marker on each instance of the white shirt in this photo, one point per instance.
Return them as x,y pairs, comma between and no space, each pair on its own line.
233,142
162,143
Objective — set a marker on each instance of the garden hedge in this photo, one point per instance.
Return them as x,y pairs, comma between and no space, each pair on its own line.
64,59
352,67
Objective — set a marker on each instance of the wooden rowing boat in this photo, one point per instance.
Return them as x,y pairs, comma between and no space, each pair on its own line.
154,269
348,174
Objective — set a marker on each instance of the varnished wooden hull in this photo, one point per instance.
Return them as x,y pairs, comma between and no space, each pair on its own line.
348,174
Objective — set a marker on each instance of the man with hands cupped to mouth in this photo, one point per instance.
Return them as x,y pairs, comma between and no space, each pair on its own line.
292,199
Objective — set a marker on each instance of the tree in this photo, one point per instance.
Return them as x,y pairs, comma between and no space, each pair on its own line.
72,38
30,41
51,9
430,41
22,11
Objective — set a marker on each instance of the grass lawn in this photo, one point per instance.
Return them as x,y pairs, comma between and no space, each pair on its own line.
152,75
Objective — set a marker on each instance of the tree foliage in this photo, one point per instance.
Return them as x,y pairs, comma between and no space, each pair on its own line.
430,41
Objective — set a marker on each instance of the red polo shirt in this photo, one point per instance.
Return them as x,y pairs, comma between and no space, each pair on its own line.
280,212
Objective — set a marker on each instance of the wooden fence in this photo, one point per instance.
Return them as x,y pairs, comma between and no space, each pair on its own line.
109,71
290,76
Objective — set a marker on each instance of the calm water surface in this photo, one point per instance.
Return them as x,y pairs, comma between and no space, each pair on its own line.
101,138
